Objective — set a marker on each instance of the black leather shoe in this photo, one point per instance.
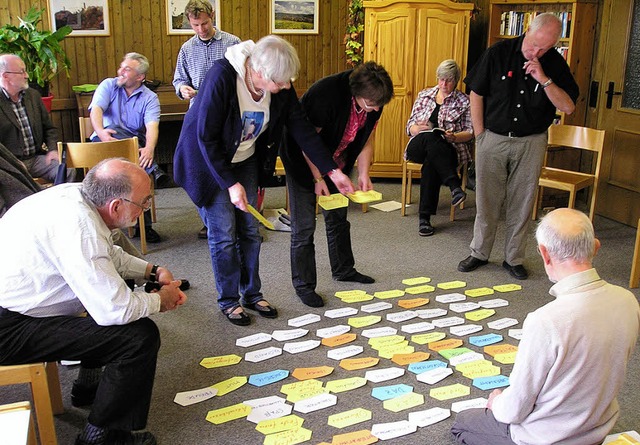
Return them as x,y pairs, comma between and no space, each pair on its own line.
267,311
518,272
202,234
114,437
471,263
239,319
83,395
458,196
311,299
152,236
425,228
357,277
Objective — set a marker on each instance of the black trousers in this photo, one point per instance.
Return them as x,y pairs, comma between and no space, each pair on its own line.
127,352
439,166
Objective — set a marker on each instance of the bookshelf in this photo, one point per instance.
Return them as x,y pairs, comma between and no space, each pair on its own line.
509,19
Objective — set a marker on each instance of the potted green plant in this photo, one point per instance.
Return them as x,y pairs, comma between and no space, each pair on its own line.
41,51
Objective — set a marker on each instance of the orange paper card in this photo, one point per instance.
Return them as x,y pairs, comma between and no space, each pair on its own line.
351,364
311,373
362,437
501,348
449,343
414,302
405,359
338,340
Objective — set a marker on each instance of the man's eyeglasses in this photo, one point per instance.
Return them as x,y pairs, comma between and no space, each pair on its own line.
146,204
23,72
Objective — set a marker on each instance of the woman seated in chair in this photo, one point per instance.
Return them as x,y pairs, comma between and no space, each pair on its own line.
439,152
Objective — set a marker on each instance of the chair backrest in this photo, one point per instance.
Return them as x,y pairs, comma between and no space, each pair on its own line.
86,128
87,154
579,137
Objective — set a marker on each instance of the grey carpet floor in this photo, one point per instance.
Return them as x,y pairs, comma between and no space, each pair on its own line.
387,247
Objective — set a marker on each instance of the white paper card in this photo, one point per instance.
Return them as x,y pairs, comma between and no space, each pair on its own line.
446,322
463,307
502,323
414,328
387,206
315,403
515,333
399,317
451,298
262,354
301,346
382,375
431,313
391,430
304,320
264,401
269,412
465,329
253,340
429,416
187,398
379,332
480,402
492,304
434,376
289,334
465,358
376,307
341,312
333,331
346,352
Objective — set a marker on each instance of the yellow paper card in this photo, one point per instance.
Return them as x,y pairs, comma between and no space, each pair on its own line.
507,287
412,303
349,293
450,343
431,337
393,350
471,366
405,359
416,281
507,358
361,197
229,385
334,201
305,393
342,385
311,373
265,222
451,285
285,423
405,401
420,289
348,418
289,437
361,322
488,371
381,342
362,437
398,346
389,294
290,388
357,298
339,339
480,314
450,392
479,292
352,364
233,412
222,360
501,348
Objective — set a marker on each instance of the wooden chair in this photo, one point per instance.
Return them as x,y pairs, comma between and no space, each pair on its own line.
579,138
45,389
634,280
87,154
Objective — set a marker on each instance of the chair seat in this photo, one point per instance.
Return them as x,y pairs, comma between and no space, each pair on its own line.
564,179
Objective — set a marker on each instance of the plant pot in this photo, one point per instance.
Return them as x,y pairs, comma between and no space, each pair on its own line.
47,100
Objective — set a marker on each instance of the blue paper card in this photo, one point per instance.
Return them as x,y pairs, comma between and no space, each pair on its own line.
484,340
383,393
486,383
267,378
420,367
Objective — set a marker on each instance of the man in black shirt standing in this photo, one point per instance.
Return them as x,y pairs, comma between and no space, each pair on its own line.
516,88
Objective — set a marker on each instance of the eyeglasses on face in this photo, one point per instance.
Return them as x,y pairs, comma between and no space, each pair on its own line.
22,72
145,205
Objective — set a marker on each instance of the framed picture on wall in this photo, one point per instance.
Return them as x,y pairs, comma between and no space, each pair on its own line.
177,22
86,17
294,16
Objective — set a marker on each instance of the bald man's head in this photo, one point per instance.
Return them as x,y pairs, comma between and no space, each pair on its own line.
115,178
567,234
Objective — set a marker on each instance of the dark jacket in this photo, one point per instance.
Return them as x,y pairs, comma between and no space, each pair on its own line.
15,181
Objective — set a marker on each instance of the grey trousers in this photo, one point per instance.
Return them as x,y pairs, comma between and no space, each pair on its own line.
38,168
507,172
479,427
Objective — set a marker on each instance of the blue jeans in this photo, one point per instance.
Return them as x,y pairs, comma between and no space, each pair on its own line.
234,240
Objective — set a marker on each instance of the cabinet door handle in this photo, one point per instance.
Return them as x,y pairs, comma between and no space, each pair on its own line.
610,93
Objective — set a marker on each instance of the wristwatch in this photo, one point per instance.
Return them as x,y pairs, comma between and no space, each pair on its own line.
154,272
547,83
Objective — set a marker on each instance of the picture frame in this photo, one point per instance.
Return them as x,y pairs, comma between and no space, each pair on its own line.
177,24
86,17
294,16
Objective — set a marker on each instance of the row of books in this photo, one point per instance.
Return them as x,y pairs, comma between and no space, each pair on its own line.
514,23
563,50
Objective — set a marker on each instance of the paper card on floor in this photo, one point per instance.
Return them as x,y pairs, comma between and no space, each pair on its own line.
465,329
487,383
187,398
339,340
451,285
262,354
391,430
454,352
413,303
465,358
389,294
270,412
447,322
416,281
515,333
419,368
290,388
382,375
341,312
479,292
304,320
392,350
220,361
301,346
357,298
315,403
349,293
434,376
289,437
361,322
406,401
303,394
349,418
462,405
388,340
429,416
502,323
488,371
379,332
449,343
333,201
288,334
312,373
431,313
626,438
266,378
360,197
463,307
285,423
333,331
507,287
450,392
423,339
226,386
228,413
387,206
507,358
414,328
352,364
473,366
264,401
422,289
406,359
342,385
344,352
399,317
485,340
450,298
383,393
493,303
376,307
480,314
362,437
502,348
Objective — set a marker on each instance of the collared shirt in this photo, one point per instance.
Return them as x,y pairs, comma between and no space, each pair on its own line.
514,101
356,121
196,57
454,115
66,263
29,144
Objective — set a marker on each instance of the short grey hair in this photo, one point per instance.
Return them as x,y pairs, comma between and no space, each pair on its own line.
448,69
101,186
567,238
275,59
4,61
546,19
142,60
